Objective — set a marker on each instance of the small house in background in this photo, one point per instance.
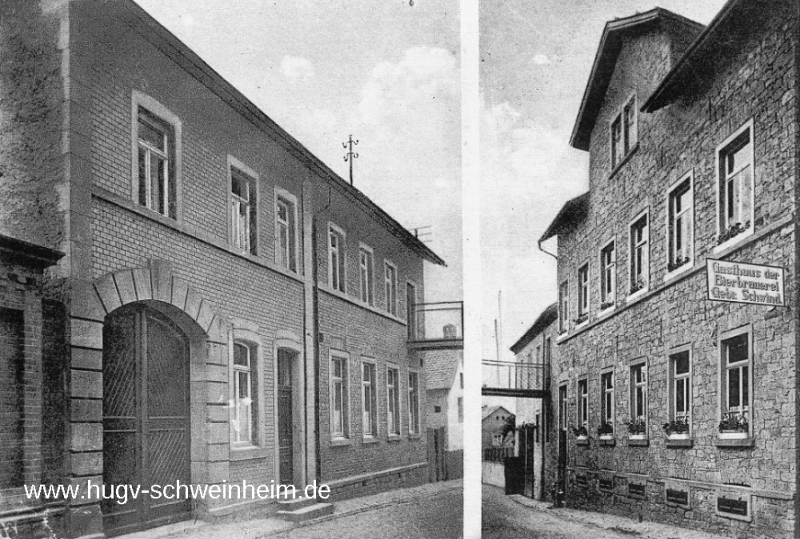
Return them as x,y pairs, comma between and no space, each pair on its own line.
444,370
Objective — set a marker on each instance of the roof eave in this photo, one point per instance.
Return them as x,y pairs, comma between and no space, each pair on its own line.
573,209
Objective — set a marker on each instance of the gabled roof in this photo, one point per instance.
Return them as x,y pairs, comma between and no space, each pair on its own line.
441,367
187,59
573,212
547,317
492,410
606,58
713,43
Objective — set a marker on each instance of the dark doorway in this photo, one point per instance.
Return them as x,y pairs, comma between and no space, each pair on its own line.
145,417
527,441
285,417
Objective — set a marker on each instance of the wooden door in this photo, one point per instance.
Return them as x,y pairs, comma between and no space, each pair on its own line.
285,417
527,443
145,418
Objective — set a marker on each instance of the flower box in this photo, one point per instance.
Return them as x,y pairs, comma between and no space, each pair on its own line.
732,434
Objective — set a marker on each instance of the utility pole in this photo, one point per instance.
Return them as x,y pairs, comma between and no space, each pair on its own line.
350,155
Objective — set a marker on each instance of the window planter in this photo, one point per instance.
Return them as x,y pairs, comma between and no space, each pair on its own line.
732,434
637,437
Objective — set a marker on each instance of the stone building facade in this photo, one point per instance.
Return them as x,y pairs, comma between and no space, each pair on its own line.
202,299
676,379
536,352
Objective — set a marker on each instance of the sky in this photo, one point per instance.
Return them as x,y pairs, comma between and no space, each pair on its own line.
536,58
386,72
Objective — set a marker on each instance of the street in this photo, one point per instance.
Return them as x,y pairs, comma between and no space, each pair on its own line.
511,517
435,512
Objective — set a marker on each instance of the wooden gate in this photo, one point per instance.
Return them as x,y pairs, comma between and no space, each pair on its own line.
527,443
437,463
285,419
145,417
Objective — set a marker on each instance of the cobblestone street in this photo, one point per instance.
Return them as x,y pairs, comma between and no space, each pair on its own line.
432,511
507,517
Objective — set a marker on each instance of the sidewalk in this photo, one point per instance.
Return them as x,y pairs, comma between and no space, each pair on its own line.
613,523
265,527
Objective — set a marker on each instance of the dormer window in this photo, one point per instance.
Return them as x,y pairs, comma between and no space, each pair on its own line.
624,133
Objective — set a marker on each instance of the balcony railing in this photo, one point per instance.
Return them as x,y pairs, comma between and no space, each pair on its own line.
441,322
512,378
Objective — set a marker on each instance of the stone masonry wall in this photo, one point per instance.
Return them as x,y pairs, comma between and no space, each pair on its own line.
756,82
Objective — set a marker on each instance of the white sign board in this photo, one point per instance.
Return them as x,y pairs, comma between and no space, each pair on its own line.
745,283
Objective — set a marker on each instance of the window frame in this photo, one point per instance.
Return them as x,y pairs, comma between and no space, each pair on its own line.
341,259
344,380
582,419
607,405
367,289
628,138
671,236
724,368
252,341
563,307
632,249
414,422
673,378
721,179
635,386
369,429
252,179
390,301
583,295
294,237
394,426
172,123
608,276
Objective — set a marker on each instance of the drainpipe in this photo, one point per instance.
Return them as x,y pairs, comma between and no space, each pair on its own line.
539,243
315,315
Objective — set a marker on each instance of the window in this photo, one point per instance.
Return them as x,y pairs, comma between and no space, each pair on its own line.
244,391
413,403
639,392
461,380
460,404
336,266
624,133
340,402
285,230
583,293
680,225
548,350
736,360
680,387
411,314
156,175
497,440
735,162
608,275
563,420
583,403
563,307
393,401
369,399
243,210
607,398
390,279
640,268
366,273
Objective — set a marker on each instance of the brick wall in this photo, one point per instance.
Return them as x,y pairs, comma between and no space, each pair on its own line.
756,81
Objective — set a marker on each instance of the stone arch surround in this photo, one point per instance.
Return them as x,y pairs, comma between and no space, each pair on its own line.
208,332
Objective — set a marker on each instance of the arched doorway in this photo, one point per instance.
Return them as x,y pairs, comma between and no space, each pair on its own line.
146,418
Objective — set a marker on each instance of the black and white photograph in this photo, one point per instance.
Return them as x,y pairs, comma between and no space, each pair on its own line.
231,295
638,251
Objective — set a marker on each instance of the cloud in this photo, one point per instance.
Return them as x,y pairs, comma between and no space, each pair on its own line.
422,75
541,59
296,68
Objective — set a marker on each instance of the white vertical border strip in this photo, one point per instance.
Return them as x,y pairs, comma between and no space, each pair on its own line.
470,216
